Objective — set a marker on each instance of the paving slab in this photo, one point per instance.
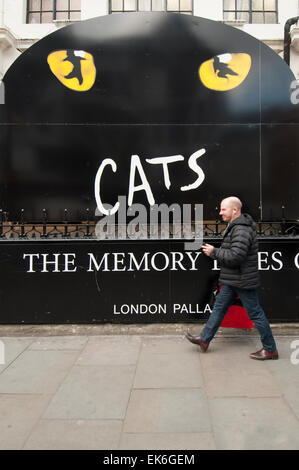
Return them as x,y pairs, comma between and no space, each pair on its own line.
253,424
181,411
59,343
37,372
93,392
18,415
174,370
167,362
75,435
229,372
167,441
287,345
287,374
147,391
12,348
165,344
110,350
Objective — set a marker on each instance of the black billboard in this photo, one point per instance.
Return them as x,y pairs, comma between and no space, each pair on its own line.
50,282
153,108
128,92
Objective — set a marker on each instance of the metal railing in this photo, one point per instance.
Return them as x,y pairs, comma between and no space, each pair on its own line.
87,229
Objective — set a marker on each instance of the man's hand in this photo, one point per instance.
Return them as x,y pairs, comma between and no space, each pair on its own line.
207,249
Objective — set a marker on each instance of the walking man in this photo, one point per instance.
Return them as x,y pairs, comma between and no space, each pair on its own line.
239,277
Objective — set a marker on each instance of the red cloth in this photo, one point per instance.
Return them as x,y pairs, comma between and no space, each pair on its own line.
236,317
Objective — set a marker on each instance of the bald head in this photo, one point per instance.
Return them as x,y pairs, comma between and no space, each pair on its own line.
233,201
230,208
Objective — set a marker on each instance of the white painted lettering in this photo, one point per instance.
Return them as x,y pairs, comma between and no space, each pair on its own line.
193,165
119,261
144,186
263,258
97,187
68,262
46,262
144,261
190,255
31,256
153,261
175,261
277,260
164,161
215,266
93,262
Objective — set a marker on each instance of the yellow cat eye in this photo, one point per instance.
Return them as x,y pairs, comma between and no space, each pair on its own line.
75,69
225,71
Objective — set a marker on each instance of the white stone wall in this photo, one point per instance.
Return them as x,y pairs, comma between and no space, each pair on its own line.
92,8
211,9
16,35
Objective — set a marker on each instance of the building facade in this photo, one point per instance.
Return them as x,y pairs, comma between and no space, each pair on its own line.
23,22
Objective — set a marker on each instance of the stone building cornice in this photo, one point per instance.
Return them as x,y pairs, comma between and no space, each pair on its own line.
23,44
7,39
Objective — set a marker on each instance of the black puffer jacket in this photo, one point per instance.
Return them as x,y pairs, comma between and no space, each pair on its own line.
238,255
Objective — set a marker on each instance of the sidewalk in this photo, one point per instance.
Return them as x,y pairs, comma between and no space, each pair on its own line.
146,391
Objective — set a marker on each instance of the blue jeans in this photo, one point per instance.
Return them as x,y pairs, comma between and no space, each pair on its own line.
250,302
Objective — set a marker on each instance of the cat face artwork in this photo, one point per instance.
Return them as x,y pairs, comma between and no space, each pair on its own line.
156,107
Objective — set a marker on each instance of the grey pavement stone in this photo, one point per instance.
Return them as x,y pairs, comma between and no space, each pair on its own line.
287,374
74,435
284,346
37,372
18,415
229,372
168,363
167,441
253,424
59,343
147,392
174,370
93,392
110,350
181,411
242,339
12,348
165,344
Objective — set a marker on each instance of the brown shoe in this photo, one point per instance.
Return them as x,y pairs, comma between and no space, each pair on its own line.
263,355
197,340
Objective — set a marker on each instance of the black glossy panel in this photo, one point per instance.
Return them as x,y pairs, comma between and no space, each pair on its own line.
158,291
148,100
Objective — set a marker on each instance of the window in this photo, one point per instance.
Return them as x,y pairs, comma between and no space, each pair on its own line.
45,11
177,6
250,11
